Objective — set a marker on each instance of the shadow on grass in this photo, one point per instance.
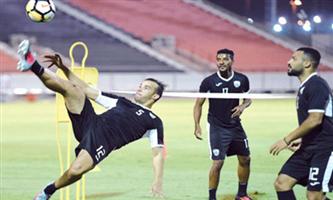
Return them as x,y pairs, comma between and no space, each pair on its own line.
254,195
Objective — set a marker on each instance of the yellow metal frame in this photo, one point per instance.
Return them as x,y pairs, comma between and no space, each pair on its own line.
90,75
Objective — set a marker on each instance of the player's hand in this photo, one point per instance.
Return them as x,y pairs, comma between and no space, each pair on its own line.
295,145
237,111
278,147
157,190
197,132
55,60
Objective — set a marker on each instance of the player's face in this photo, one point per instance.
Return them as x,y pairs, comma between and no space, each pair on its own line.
223,62
146,91
296,64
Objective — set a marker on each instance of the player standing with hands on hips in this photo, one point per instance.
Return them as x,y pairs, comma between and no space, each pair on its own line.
226,136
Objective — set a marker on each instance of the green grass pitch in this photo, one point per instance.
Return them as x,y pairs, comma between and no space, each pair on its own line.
29,157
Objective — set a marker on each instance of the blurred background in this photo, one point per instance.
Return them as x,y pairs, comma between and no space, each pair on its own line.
172,40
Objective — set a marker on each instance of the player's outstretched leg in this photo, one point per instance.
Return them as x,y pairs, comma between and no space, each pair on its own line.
81,165
73,94
74,100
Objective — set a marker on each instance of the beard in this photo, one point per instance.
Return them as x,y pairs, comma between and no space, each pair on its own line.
292,72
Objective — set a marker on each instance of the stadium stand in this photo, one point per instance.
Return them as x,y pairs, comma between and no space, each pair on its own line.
7,62
195,30
106,53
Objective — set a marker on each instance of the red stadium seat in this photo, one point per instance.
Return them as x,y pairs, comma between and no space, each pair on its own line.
196,31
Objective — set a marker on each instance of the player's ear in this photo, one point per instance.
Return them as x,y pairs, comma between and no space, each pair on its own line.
156,96
307,63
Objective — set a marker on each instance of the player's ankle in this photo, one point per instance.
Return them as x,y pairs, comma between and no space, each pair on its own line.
212,194
242,189
50,189
37,69
286,195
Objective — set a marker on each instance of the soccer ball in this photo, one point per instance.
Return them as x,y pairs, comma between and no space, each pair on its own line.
40,10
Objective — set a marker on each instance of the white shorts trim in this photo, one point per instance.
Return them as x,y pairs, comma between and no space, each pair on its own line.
328,174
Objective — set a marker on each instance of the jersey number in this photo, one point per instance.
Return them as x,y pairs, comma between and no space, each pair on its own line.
100,152
225,90
314,171
139,112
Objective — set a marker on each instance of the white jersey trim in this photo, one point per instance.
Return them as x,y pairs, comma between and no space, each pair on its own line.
329,107
311,75
142,106
152,135
328,174
224,79
105,101
316,110
208,140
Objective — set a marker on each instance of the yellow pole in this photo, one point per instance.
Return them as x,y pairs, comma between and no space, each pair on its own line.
79,191
83,190
61,161
88,75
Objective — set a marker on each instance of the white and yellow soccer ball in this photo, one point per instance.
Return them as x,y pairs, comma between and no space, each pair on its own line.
40,10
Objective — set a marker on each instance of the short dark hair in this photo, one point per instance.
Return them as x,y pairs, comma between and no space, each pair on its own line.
226,51
313,54
160,87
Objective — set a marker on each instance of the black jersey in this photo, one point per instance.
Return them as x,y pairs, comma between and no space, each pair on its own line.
314,95
219,112
125,121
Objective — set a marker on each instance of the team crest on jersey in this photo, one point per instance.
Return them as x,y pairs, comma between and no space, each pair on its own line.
237,84
216,152
152,115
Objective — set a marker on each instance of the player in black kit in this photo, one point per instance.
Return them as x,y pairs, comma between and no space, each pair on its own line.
312,164
98,135
226,134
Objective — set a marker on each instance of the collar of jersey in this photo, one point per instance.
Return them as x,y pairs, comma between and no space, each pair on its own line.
142,106
228,79
311,75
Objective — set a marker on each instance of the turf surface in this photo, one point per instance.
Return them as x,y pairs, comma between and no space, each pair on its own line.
29,158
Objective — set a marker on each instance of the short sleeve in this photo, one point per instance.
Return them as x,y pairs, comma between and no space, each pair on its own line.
204,86
318,97
156,136
110,95
107,100
246,85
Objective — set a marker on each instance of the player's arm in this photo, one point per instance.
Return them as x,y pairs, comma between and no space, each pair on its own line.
158,168
197,111
56,60
318,95
238,110
295,145
312,121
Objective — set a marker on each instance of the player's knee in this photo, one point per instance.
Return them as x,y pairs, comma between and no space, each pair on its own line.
313,195
281,185
74,90
217,165
76,170
244,161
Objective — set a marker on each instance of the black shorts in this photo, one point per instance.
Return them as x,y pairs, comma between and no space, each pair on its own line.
227,141
313,170
87,134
